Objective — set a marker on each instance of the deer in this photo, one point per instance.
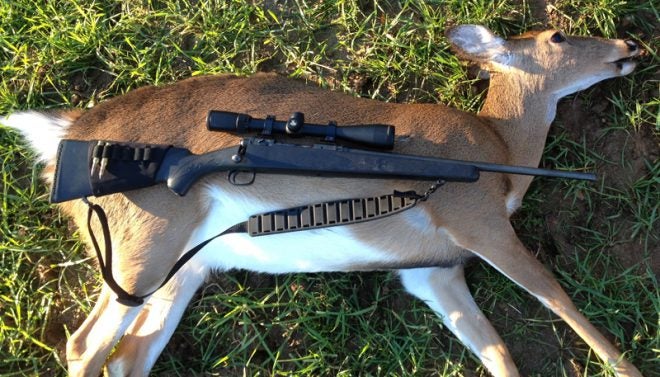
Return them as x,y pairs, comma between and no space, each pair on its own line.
151,227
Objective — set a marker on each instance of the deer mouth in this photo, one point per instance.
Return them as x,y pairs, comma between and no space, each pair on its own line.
625,65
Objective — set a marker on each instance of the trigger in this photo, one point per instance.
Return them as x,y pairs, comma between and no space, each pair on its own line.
241,178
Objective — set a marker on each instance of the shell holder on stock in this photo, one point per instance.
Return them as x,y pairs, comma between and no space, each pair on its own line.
98,168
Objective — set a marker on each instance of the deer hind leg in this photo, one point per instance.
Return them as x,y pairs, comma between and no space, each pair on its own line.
500,247
445,291
145,339
147,240
90,345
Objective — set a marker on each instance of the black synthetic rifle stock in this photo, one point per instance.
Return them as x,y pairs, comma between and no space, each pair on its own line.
266,156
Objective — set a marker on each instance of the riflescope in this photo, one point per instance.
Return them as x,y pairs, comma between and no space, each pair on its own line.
372,135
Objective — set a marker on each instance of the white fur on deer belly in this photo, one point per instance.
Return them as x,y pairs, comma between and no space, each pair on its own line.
316,250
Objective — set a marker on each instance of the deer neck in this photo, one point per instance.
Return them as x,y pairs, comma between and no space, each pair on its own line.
521,114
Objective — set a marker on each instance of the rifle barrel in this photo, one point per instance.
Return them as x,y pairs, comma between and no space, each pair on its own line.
525,170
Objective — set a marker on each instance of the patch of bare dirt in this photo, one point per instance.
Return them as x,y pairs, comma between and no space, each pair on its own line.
88,85
625,158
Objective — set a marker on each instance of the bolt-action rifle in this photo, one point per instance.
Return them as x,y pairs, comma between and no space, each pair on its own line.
86,168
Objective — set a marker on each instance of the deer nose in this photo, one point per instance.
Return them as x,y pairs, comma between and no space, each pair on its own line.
632,46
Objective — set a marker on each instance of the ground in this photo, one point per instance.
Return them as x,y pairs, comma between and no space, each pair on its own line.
601,239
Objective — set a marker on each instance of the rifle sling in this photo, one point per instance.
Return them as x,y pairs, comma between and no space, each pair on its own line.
313,216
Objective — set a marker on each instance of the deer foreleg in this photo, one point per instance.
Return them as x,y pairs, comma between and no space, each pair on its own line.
445,291
502,249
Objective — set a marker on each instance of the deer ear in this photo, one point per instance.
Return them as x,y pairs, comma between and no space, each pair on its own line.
477,43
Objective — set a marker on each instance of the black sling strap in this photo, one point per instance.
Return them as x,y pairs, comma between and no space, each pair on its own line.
105,264
314,216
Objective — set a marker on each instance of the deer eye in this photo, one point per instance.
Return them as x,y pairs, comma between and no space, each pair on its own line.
558,37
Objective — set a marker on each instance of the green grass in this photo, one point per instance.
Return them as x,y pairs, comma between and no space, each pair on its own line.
601,240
